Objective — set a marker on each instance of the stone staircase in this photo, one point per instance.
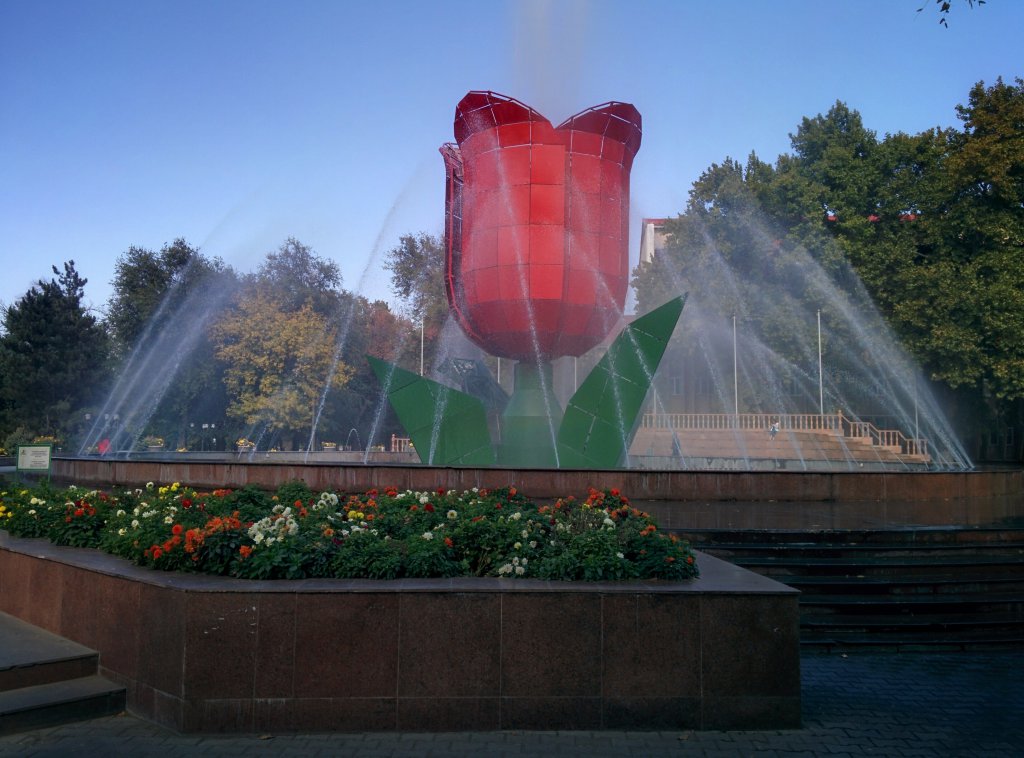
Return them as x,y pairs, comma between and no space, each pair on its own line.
912,587
47,680
790,449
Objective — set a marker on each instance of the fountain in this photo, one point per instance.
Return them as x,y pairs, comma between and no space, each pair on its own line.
537,267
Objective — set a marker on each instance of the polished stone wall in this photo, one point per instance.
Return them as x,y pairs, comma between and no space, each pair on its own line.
678,499
208,654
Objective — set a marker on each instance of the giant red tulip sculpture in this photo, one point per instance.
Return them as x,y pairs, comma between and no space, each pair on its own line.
537,267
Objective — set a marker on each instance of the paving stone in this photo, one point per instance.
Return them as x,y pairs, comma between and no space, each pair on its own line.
893,704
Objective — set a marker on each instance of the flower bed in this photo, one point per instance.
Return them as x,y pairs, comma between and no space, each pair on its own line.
296,534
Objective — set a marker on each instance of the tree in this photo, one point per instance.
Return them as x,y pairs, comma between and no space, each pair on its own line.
53,356
280,342
931,223
299,277
160,308
417,271
944,6
279,363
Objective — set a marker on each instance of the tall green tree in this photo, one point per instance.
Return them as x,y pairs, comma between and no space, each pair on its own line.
417,271
932,223
161,304
53,357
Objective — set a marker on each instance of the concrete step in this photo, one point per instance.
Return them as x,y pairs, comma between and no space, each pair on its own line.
46,680
957,587
756,444
56,703
859,538
30,656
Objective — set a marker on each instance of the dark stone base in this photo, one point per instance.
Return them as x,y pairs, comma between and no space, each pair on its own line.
206,654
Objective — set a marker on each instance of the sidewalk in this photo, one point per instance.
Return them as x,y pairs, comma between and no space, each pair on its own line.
886,704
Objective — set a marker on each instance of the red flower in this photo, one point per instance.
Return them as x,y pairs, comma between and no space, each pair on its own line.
177,529
448,541
79,512
429,508
186,503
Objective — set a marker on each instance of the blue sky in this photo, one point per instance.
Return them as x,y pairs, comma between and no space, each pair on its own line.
236,124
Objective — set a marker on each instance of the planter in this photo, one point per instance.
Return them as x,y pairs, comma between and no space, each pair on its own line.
208,654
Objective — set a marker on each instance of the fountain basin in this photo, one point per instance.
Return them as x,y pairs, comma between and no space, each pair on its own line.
209,654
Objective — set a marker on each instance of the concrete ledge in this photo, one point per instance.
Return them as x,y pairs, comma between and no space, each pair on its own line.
208,654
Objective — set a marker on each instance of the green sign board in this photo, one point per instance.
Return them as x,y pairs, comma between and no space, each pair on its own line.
34,457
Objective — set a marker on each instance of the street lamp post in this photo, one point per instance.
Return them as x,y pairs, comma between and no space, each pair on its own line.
735,374
821,392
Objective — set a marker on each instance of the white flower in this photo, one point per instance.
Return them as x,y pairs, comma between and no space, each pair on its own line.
516,516
609,522
620,556
452,515
271,540
518,545
476,489
32,512
506,569
135,523
120,512
168,519
149,485
122,531
424,499
533,543
520,571
525,533
258,538
428,535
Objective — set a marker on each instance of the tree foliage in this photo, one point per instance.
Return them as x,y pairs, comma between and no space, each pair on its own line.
157,299
932,223
53,356
279,342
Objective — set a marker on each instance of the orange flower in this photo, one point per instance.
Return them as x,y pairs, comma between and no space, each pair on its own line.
448,541
244,551
157,552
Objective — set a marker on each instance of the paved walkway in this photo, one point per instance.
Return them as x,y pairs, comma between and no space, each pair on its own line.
892,704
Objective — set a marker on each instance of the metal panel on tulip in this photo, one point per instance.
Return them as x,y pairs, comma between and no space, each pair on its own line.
536,225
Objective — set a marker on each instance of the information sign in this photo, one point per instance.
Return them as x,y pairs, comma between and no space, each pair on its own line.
34,458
